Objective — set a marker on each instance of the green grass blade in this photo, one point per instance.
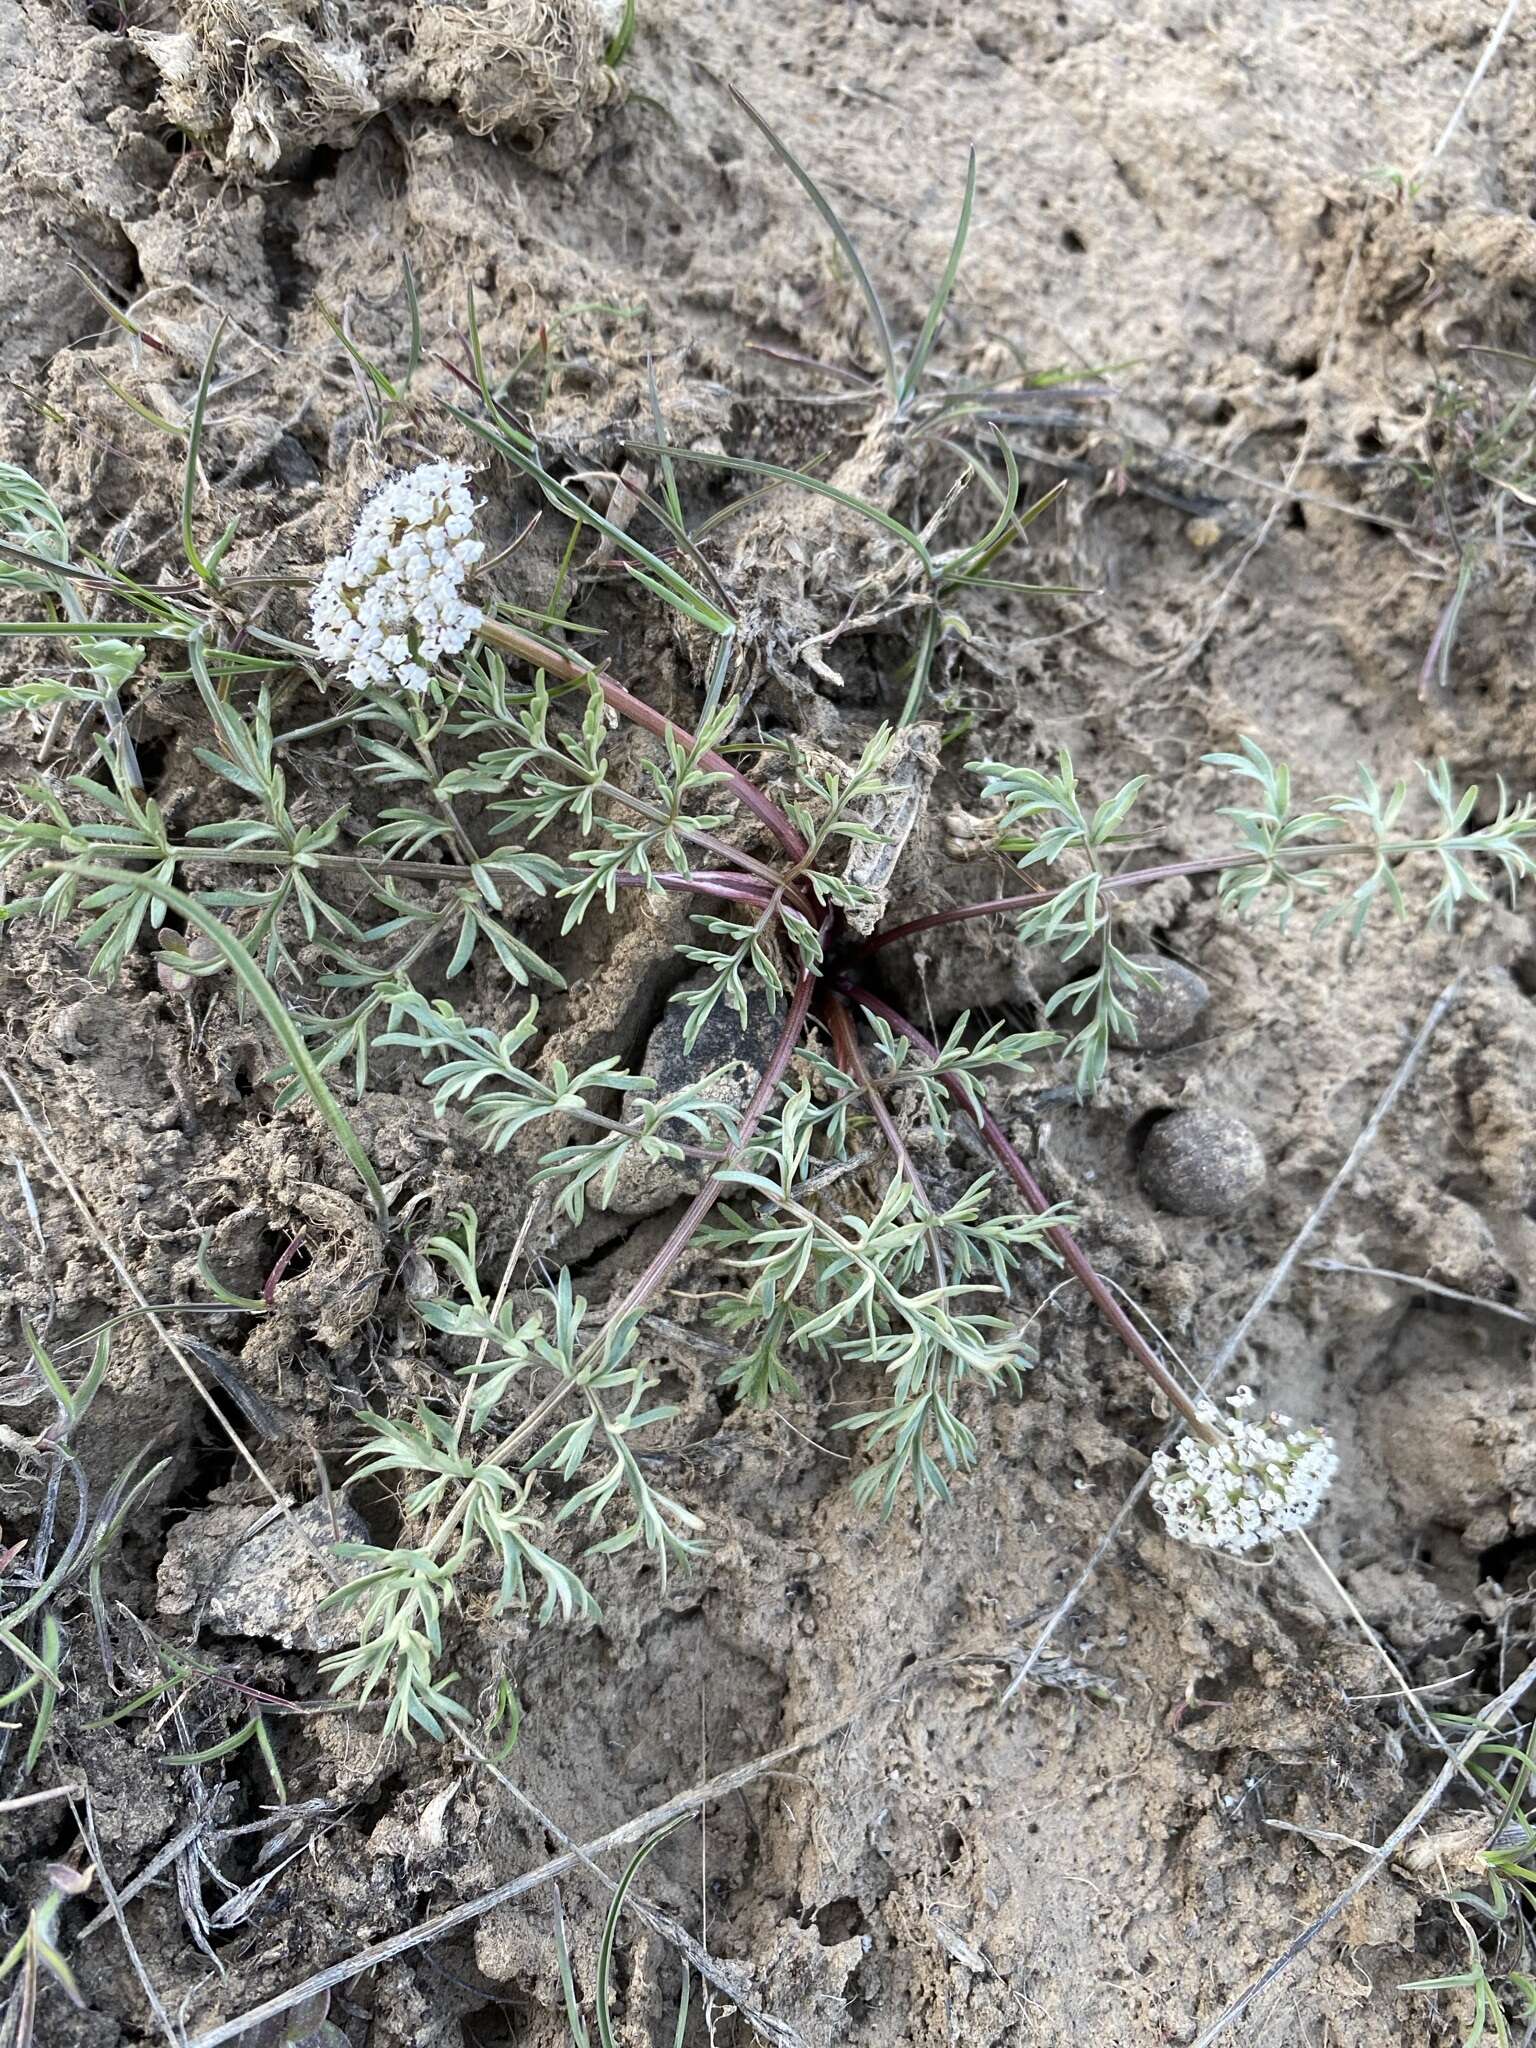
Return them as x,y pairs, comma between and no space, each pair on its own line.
413,310
748,499
370,370
840,235
52,1651
679,2033
269,1758
215,1751
507,429
720,668
573,2017
189,548
623,36
87,629
270,1004
1003,528
150,418
674,503
611,1924
748,466
925,341
249,1304
675,589
115,313
523,453
922,664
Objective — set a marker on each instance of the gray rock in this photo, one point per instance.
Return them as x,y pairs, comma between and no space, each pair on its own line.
1198,1162
267,1583
1167,1010
733,1052
739,1052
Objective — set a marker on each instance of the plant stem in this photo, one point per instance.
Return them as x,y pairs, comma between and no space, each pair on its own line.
109,702
1072,1253
444,808
682,1233
994,906
731,888
1136,878
745,862
845,1046
539,653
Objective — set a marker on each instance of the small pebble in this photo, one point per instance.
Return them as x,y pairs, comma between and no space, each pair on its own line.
1167,1010
1198,1162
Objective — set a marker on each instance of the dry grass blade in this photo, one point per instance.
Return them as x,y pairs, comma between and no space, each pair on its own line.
845,242
1500,29
40,1798
86,1821
763,2024
161,1860
1421,1285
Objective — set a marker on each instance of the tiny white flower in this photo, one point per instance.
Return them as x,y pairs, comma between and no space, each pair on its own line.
1256,1482
393,604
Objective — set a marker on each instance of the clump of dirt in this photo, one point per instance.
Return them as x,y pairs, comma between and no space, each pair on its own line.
525,69
257,83
262,84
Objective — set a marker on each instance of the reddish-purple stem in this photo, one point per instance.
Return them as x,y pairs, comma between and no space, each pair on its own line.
681,1234
285,1259
763,808
541,654
1072,1253
1133,878
729,888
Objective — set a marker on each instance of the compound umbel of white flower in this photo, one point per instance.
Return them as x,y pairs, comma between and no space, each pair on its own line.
392,605
1255,1482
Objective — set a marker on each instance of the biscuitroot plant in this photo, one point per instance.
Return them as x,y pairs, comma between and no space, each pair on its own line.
527,785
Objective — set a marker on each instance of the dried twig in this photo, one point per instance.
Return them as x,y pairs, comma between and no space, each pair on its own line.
85,1819
40,1798
726,1981
1417,1280
1501,28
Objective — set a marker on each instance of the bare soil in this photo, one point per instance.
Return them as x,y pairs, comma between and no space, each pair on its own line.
1180,206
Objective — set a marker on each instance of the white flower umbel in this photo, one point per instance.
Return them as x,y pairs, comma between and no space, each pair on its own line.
1257,1481
392,606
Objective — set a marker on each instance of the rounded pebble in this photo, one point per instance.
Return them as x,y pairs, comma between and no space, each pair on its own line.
1198,1162
1167,1010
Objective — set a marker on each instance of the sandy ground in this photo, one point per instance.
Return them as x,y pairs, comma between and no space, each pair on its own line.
1227,227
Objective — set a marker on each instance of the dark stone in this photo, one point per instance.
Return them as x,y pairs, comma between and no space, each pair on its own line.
741,1050
735,1054
1198,1162
291,463
1167,1010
